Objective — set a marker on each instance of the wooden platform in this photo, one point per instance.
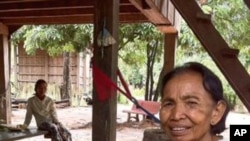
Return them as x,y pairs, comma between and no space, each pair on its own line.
17,135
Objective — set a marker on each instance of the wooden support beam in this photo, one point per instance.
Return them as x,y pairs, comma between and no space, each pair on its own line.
3,29
5,104
166,29
42,4
154,15
106,59
228,52
151,13
247,2
75,19
169,51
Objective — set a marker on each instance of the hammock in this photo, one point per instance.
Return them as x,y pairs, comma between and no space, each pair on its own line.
105,88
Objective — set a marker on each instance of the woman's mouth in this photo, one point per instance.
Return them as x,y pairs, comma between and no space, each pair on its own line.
179,131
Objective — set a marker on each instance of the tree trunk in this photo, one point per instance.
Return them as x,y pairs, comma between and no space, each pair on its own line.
151,53
157,91
147,76
66,85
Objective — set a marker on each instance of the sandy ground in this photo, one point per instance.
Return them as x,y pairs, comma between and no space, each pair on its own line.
78,121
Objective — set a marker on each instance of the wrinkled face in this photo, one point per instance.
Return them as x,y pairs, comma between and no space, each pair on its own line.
187,109
41,89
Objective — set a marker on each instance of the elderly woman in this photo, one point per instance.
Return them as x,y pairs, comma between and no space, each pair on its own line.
42,107
193,106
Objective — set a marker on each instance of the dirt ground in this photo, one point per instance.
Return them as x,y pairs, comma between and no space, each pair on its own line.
78,121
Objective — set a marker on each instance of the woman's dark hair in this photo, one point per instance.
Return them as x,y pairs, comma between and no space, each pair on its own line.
211,83
39,82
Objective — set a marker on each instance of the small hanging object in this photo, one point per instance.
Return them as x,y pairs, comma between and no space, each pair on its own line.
105,38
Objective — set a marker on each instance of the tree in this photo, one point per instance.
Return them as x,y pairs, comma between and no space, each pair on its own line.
140,44
56,40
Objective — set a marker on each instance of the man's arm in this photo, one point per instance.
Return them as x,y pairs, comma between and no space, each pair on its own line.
54,113
28,115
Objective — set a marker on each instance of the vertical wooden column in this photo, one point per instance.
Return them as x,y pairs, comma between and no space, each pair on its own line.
169,51
5,97
46,67
105,58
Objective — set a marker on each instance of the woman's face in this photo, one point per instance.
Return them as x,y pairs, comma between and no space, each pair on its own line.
187,109
41,89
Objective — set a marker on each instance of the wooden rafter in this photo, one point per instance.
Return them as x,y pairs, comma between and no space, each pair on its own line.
21,12
154,15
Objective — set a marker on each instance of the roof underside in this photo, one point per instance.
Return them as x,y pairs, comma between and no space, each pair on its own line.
15,13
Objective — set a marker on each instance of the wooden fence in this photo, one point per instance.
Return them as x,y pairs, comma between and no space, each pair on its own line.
29,68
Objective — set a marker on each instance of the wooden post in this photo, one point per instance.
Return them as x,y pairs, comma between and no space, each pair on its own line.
46,67
169,51
106,59
5,97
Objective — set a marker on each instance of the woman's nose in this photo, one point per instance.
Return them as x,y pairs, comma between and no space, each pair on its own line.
178,112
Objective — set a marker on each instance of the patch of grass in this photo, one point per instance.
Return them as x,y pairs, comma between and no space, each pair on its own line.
136,93
139,93
122,99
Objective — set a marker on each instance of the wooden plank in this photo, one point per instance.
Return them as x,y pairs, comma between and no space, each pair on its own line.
153,13
167,9
72,19
11,136
105,58
24,12
43,4
33,67
5,101
166,29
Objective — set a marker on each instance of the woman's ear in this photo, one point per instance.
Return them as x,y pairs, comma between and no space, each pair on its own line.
218,112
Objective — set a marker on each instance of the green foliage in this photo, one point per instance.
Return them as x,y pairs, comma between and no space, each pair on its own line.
122,99
138,92
188,41
56,39
231,18
134,40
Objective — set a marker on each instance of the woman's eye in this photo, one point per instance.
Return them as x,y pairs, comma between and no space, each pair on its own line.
192,103
168,103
